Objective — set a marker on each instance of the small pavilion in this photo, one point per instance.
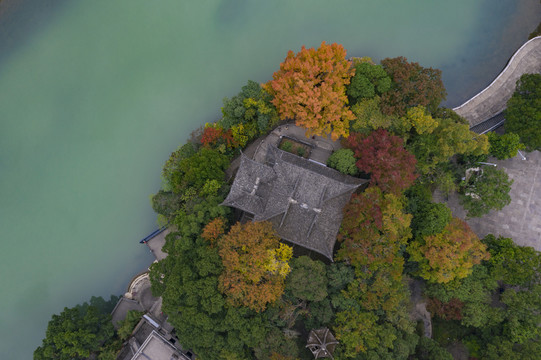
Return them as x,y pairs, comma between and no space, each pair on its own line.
321,343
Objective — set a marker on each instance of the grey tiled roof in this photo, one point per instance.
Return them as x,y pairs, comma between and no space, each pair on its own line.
302,199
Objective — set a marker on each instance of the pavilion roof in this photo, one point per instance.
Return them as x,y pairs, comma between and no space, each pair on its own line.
302,199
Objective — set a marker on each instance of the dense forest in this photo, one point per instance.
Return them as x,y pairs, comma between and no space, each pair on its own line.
234,291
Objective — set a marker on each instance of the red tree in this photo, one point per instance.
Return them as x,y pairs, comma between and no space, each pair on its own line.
311,88
383,156
413,85
214,136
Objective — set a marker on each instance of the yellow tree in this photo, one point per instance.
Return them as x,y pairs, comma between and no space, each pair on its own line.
255,265
310,87
450,254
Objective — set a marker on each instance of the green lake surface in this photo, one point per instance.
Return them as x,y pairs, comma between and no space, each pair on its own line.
94,96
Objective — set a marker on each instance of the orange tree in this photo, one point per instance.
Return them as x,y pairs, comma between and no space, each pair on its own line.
255,265
311,88
450,254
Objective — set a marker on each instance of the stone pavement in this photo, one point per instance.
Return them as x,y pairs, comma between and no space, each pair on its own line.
493,99
521,219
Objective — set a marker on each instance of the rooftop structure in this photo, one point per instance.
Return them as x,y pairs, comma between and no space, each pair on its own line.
321,343
301,198
156,347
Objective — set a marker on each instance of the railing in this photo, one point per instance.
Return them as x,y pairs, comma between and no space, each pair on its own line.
151,235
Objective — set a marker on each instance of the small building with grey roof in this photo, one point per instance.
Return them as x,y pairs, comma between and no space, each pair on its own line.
301,198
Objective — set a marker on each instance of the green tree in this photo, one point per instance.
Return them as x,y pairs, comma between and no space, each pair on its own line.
187,280
369,116
475,292
307,280
504,146
412,85
125,327
428,349
251,107
430,218
76,333
206,164
523,114
486,190
369,80
523,314
171,173
343,160
448,139
513,264
276,346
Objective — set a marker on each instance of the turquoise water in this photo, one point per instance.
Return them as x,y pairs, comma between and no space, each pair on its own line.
94,95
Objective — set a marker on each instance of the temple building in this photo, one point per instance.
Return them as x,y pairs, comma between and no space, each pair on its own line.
301,198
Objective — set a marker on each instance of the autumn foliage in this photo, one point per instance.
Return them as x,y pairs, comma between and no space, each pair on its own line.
373,229
213,230
255,265
413,85
383,156
451,310
450,254
213,136
310,87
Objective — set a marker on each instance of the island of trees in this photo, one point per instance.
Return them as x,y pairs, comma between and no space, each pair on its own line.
233,290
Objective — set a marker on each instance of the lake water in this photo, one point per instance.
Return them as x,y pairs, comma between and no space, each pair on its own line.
94,95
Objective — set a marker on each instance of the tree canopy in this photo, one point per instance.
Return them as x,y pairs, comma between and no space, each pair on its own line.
412,85
343,160
448,255
369,80
486,190
255,265
504,146
383,156
310,87
523,113
188,280
78,332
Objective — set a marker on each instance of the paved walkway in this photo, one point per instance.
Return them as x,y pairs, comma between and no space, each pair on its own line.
493,99
521,219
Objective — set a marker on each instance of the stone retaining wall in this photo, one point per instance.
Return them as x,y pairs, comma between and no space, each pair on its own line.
493,99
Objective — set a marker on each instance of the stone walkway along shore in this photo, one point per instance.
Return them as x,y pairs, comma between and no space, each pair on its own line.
493,99
521,219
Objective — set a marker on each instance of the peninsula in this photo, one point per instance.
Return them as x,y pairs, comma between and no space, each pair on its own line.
302,224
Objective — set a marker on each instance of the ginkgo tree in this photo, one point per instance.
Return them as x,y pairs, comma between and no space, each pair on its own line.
310,87
450,254
255,265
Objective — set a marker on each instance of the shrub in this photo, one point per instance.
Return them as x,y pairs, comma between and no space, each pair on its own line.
504,146
343,160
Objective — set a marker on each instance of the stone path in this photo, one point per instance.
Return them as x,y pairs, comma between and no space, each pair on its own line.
521,219
493,99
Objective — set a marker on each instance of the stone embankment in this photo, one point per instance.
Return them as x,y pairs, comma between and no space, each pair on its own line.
493,99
